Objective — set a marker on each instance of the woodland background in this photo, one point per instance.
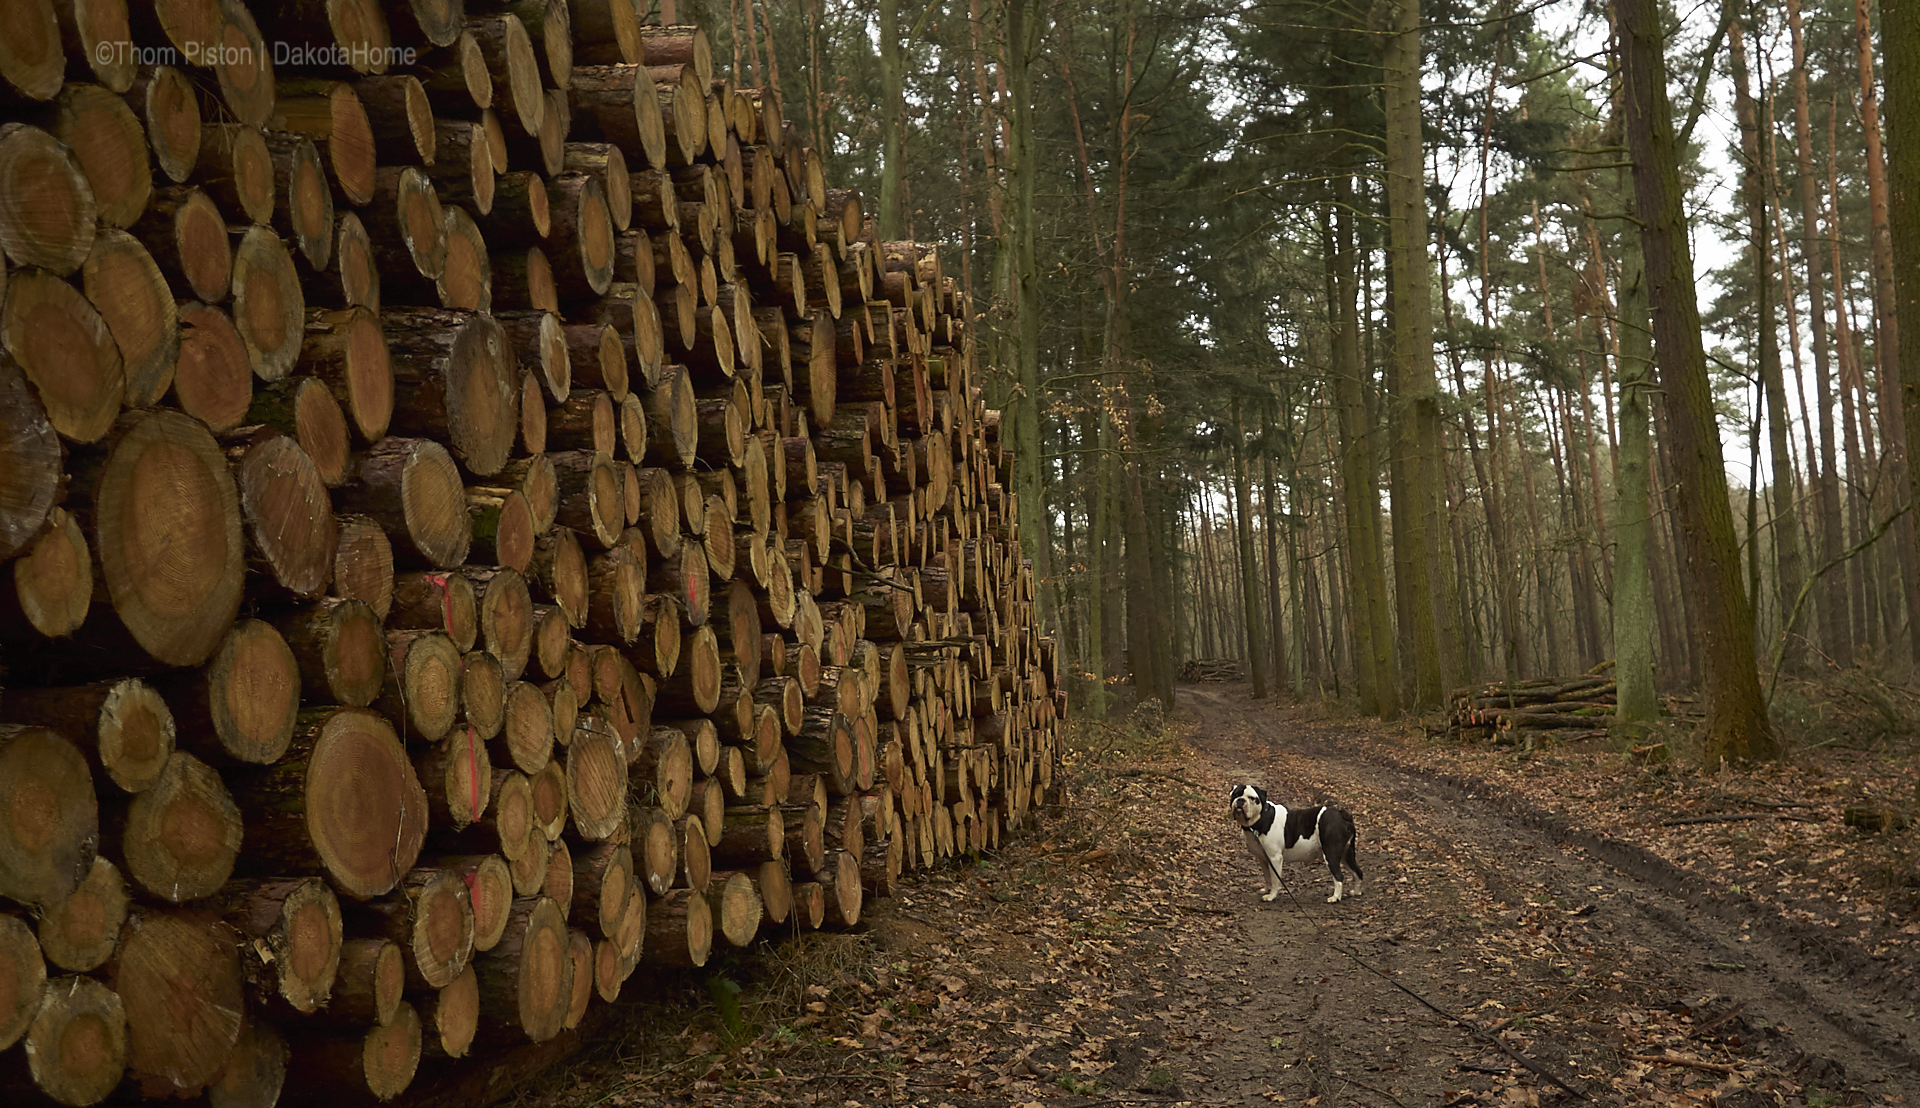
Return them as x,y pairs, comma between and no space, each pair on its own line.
1216,241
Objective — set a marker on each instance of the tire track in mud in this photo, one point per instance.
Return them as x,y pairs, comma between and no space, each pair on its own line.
1817,1010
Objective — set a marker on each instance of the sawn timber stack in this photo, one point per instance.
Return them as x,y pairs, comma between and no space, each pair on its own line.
479,522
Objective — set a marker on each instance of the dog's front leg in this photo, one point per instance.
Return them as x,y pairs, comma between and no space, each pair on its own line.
1274,865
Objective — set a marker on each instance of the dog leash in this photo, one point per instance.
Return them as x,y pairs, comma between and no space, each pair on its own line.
1473,1029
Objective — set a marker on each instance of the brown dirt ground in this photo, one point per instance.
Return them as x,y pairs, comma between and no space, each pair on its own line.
1528,920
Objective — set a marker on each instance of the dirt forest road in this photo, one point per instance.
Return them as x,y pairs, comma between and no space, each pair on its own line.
1593,964
1121,955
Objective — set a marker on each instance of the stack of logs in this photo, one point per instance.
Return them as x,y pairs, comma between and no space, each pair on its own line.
1505,711
1205,670
480,518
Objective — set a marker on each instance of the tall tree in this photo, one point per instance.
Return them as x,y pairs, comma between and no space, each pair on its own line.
1438,658
1249,568
1886,324
1374,672
1634,616
1736,727
890,221
1834,609
1024,23
1755,156
1900,50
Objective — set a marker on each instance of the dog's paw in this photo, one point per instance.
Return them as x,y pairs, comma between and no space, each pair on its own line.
1334,899
1270,897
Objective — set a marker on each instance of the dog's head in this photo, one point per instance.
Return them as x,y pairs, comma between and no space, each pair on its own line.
1246,803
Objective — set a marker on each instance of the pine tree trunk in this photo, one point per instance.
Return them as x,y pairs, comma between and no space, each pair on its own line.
1634,621
1788,570
1737,728
1893,422
1437,655
1249,569
1834,607
1373,641
1900,51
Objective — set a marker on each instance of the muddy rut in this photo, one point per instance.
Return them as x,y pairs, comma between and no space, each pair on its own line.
1593,964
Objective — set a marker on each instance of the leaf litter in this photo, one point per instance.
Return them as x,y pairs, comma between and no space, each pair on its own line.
1119,954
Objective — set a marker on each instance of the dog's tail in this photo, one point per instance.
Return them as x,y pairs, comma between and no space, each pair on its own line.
1353,845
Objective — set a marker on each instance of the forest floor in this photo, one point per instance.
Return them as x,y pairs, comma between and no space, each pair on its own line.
1535,928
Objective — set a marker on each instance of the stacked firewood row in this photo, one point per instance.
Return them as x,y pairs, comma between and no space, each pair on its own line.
480,519
1497,711
1206,670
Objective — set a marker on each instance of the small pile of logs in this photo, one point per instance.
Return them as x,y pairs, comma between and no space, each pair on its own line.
1199,670
1497,711
480,520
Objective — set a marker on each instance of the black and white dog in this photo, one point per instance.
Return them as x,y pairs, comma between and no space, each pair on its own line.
1277,835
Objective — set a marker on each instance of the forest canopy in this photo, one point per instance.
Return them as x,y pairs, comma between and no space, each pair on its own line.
1392,348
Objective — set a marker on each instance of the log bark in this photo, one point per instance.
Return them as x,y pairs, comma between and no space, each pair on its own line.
126,286
751,834
549,804
430,918
591,495
452,1017
341,654
124,726
347,349
78,933
293,934
451,378
269,307
444,602
256,1071
596,777
736,907
236,168
526,982
343,802
48,216
489,889
76,1047
290,514
178,975
679,930
602,878
66,349
369,984
378,1063
411,486
457,774
178,839
51,822
662,770
303,210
